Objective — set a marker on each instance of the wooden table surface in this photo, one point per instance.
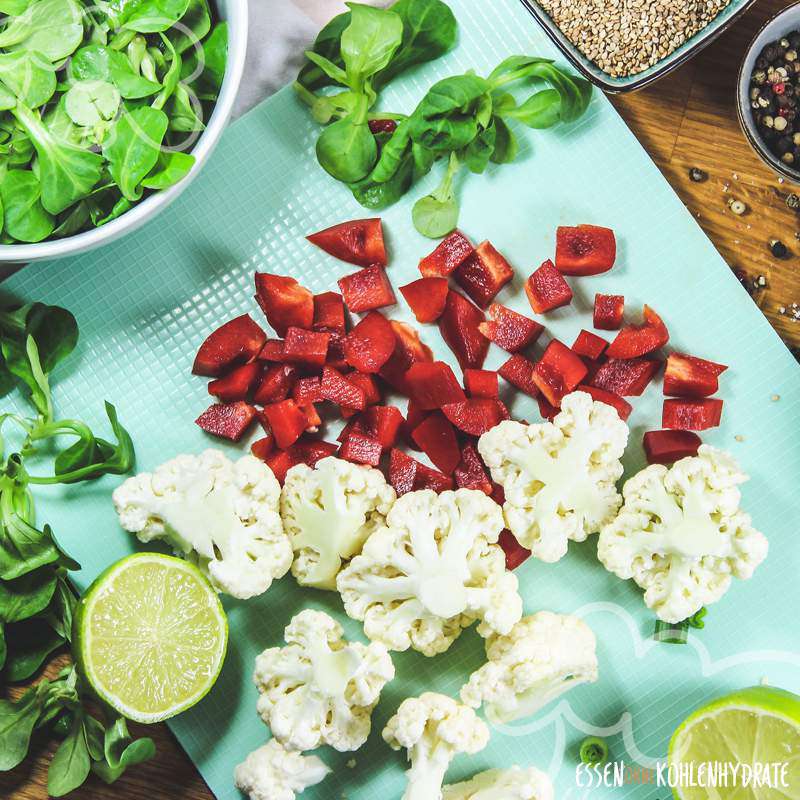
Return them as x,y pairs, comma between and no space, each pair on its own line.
686,120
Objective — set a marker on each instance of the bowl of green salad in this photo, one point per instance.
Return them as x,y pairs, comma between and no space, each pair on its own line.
107,111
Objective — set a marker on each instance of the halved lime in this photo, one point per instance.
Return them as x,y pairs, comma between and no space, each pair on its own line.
755,726
151,636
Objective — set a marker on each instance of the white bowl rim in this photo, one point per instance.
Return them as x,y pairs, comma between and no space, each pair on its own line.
150,206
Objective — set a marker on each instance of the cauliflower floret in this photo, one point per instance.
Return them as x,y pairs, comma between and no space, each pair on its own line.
433,728
273,773
329,512
433,569
503,784
222,516
559,477
320,688
681,534
545,655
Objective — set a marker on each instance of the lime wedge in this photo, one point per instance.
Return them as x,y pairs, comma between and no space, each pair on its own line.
755,726
151,636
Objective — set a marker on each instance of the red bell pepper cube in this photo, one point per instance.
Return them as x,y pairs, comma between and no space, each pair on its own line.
227,420
383,423
608,311
287,420
272,351
430,478
307,390
336,388
510,330
692,415
476,416
359,241
518,371
402,471
498,493
634,341
471,473
409,349
481,383
459,326
414,415
689,376
303,452
336,357
328,312
626,378
447,257
558,372
546,289
355,423
306,347
372,394
667,447
236,385
622,406
516,554
483,274
426,297
437,439
284,301
236,342
585,249
370,344
312,417
360,448
433,385
366,290
276,384
589,345
263,447
546,409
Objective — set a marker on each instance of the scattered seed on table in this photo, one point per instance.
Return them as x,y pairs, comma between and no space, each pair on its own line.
737,207
775,398
698,175
793,201
778,248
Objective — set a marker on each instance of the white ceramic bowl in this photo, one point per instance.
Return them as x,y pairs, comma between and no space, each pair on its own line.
235,13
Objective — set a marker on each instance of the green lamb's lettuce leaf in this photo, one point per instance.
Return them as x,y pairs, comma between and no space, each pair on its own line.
53,28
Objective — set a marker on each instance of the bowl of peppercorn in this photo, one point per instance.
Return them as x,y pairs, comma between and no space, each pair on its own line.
769,93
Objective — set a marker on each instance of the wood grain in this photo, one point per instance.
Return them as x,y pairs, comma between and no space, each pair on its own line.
687,120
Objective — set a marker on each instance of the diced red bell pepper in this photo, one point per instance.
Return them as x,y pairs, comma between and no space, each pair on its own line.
303,452
546,409
516,554
414,415
287,420
483,274
382,126
547,289
367,289
622,406
692,415
667,447
558,372
481,383
360,448
236,385
589,345
585,250
276,384
306,347
263,447
355,423
370,344
498,493
608,311
284,301
336,357
430,478
307,390
312,417
476,416
409,349
336,388
634,341
227,420
689,376
372,394
510,330
357,242
272,351
470,473
402,471
447,257
328,312
460,328
383,423
236,342
626,378
426,297
437,439
433,385
518,371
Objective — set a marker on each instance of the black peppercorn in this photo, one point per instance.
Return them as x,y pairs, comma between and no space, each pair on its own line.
698,175
783,145
793,201
761,62
778,248
770,52
794,39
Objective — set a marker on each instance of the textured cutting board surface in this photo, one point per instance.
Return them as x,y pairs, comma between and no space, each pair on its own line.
144,305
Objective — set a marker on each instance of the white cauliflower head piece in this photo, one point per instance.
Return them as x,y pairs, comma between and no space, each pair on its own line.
328,512
559,477
274,773
222,516
514,783
681,535
433,570
433,728
545,655
320,688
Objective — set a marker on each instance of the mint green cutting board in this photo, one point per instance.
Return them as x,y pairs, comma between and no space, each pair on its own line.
144,305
